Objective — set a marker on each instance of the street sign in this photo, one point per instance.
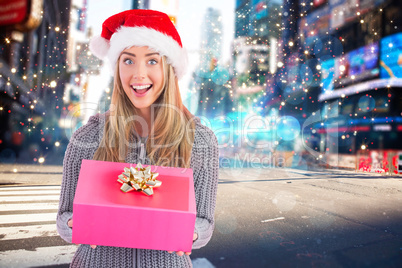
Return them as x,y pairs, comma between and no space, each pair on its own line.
23,15
13,12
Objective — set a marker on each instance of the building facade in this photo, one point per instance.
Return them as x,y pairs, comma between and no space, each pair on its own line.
255,51
36,66
210,80
342,70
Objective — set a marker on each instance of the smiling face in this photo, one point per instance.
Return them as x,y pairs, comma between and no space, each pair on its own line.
141,75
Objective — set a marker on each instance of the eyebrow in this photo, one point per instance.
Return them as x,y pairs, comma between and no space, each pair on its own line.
146,55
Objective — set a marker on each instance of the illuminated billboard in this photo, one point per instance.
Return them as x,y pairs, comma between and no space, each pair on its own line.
23,15
328,75
357,65
318,3
316,24
391,56
363,61
239,3
260,9
13,12
343,11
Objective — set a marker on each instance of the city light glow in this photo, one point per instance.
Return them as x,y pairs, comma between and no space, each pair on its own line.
53,84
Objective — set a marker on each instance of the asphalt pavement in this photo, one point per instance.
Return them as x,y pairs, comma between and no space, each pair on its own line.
273,217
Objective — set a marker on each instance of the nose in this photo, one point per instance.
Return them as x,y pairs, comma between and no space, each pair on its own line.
139,71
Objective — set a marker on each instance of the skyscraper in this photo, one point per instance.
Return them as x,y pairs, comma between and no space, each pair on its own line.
211,39
257,30
210,77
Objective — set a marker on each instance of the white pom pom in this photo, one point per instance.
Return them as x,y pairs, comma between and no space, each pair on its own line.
99,46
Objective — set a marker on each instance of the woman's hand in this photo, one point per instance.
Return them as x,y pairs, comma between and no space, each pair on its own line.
70,224
181,253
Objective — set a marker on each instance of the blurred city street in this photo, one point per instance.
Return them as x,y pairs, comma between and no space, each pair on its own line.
304,97
275,217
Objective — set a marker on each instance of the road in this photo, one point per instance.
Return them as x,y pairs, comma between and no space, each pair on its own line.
264,218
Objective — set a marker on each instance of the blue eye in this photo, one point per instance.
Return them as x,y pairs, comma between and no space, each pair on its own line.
152,62
128,61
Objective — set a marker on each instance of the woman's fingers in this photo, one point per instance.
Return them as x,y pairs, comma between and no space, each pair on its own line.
180,253
70,224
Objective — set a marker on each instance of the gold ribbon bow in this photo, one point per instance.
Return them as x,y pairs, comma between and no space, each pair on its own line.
140,179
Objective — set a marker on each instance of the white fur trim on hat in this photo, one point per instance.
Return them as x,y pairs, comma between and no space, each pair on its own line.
99,46
127,37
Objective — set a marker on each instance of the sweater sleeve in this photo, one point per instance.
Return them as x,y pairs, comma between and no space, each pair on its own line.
82,145
205,183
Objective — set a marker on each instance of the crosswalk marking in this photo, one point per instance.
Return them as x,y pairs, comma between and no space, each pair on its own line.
24,188
25,218
29,198
15,206
28,215
29,192
35,206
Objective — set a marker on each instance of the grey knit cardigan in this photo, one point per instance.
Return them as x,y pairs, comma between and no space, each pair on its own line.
204,162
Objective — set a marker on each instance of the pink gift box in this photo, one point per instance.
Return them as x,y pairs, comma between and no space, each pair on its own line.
104,215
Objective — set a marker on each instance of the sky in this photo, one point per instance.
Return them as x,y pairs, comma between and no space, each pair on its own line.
189,19
189,25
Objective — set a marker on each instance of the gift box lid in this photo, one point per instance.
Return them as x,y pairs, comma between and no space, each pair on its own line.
101,178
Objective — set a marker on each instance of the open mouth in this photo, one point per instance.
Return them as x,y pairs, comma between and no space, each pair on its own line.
141,89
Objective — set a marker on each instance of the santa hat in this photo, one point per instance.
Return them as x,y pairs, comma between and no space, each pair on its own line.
138,27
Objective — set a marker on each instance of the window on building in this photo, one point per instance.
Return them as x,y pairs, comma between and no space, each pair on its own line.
348,37
369,28
347,106
381,104
392,19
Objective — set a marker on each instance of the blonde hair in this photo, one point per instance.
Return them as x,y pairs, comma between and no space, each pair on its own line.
172,132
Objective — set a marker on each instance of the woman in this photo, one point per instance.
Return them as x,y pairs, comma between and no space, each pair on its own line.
146,123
